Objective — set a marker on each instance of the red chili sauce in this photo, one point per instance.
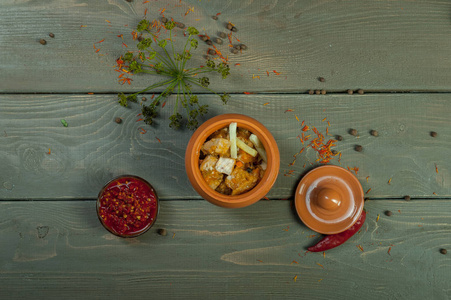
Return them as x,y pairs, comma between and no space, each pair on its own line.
128,206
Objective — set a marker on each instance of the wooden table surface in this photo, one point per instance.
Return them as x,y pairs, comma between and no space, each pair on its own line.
397,51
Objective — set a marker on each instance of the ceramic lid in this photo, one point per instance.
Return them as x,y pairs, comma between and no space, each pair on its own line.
329,199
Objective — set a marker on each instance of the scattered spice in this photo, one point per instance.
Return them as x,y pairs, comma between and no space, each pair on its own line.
51,35
407,198
443,251
353,132
358,148
295,277
369,190
367,177
377,218
433,134
162,232
350,92
388,213
389,249
320,264
360,247
118,120
50,152
374,133
389,181
42,41
436,169
360,92
294,262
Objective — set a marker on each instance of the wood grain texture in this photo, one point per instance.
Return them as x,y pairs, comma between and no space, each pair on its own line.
93,149
382,45
215,253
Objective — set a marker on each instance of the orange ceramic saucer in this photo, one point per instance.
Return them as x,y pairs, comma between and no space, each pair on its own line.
329,199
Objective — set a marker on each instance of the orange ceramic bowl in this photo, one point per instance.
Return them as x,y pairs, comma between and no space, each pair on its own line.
192,161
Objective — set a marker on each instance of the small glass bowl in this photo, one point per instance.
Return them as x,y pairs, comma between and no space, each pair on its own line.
127,201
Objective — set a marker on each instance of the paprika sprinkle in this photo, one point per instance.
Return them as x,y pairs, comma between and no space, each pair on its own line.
335,240
127,206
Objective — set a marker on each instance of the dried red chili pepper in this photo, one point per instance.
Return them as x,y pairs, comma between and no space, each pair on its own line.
335,240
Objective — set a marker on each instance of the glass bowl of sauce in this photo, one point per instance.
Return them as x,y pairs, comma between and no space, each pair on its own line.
127,206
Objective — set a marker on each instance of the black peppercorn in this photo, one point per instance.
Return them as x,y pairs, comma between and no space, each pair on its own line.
249,170
388,213
334,152
209,42
353,132
311,92
234,29
222,35
237,47
214,17
204,38
374,133
323,92
144,99
229,26
318,92
180,25
162,232
118,120
243,47
211,52
443,251
51,35
321,79
140,38
360,91
339,138
407,198
164,20
433,133
218,41
42,41
358,148
350,92
234,51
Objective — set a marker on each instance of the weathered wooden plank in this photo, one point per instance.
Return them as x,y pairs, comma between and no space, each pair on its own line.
93,149
374,45
211,252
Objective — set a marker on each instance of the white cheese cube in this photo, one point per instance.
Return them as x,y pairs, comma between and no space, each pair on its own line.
225,165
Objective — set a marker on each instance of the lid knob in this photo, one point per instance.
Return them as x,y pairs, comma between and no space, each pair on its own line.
328,199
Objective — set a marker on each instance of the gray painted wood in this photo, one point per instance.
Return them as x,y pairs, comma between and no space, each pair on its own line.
51,248
93,149
376,45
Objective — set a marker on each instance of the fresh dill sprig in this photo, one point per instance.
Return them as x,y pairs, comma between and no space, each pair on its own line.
158,57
